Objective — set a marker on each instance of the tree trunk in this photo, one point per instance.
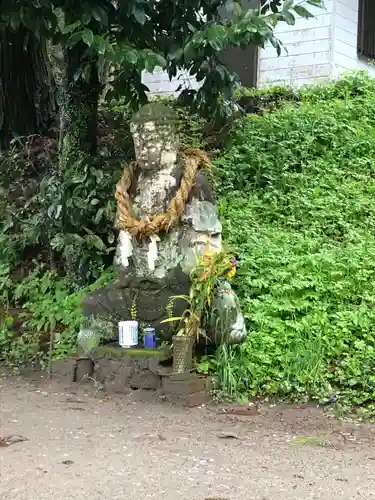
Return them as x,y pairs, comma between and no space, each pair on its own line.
26,98
78,106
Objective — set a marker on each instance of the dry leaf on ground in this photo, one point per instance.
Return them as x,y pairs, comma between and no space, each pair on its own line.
9,440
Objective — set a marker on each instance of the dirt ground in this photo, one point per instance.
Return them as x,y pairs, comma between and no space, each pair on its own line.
81,444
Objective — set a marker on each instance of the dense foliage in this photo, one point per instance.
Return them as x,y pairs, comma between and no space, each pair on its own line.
133,36
298,203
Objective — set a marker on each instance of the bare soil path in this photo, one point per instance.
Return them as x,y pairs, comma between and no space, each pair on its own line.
82,445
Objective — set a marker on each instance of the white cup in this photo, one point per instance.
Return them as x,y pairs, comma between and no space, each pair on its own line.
128,334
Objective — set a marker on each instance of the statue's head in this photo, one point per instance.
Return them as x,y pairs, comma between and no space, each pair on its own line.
154,130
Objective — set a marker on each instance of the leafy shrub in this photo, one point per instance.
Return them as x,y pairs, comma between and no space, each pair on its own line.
49,304
298,204
64,218
354,84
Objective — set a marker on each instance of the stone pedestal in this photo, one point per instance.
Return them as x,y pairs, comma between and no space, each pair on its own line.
120,370
123,369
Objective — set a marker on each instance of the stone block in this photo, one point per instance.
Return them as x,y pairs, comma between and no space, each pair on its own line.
64,368
115,386
142,362
107,368
83,369
116,374
145,380
181,384
153,365
187,388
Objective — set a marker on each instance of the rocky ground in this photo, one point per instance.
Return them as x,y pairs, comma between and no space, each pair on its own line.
80,444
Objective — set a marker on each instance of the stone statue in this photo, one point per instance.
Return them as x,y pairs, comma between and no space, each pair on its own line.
166,217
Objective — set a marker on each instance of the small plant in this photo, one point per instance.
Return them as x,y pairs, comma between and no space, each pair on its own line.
18,349
141,324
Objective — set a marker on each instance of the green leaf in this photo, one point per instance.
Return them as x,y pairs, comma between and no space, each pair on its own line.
172,320
160,60
77,75
175,54
79,203
288,17
58,211
100,15
149,62
233,7
287,5
15,21
87,37
303,12
216,36
96,242
70,27
86,72
74,38
131,55
101,45
276,44
86,17
140,15
316,3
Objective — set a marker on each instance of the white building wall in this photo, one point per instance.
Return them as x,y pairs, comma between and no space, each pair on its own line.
345,28
158,82
308,56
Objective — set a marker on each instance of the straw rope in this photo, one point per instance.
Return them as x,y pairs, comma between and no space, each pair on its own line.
194,160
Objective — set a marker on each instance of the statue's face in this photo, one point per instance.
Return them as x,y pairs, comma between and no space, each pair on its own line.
155,145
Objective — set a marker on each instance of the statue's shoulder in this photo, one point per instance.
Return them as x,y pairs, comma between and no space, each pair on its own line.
203,188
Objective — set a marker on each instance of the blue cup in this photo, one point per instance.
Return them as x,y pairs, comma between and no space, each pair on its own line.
149,338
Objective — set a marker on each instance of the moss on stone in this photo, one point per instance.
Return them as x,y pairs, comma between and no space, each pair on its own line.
162,353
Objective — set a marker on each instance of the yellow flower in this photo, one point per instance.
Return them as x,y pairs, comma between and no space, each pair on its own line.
133,310
231,273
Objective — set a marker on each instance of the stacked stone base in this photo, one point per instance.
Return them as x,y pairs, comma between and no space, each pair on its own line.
120,370
123,369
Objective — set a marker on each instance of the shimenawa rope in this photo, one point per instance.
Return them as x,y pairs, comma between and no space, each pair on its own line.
194,160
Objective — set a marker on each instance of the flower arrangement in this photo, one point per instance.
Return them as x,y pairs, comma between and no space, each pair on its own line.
210,268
